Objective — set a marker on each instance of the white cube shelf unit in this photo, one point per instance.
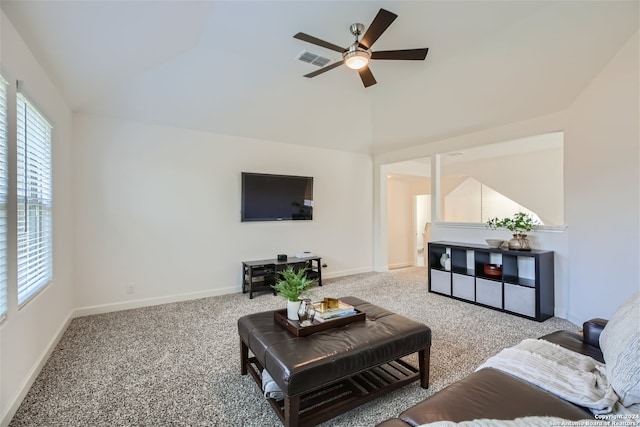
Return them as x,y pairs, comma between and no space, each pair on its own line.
525,287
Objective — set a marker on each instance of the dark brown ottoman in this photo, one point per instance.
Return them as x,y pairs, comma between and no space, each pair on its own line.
335,370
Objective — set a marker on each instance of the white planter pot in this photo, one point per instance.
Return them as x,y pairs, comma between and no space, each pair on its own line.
292,309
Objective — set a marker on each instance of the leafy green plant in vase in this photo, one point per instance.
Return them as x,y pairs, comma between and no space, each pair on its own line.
292,285
519,225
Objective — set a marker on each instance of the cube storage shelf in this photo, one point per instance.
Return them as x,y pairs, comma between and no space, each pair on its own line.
525,287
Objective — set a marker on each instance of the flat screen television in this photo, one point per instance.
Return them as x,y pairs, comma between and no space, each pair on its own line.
268,197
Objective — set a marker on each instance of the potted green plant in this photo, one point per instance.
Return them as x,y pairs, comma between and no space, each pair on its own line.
292,285
519,224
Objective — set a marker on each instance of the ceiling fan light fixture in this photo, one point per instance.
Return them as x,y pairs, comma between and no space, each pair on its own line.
358,54
356,59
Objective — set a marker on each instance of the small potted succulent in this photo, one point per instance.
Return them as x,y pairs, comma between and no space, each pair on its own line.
292,285
519,224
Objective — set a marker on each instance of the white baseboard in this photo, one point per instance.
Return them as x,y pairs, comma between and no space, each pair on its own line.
33,373
334,274
399,265
148,302
107,308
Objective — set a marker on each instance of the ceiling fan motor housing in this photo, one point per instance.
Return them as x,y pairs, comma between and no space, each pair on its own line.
356,29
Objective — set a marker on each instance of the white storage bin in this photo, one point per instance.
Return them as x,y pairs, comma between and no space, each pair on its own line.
489,292
520,299
464,287
441,282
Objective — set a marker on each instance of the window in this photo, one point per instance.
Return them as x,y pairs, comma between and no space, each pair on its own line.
3,197
34,200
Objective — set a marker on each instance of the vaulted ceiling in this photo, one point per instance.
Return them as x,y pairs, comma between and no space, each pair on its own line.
231,67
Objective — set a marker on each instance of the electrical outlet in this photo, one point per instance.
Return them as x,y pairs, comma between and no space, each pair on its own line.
130,289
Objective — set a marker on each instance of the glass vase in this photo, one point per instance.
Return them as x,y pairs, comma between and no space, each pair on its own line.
519,243
306,312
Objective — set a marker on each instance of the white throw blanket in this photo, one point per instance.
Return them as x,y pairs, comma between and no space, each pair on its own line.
270,388
572,376
518,422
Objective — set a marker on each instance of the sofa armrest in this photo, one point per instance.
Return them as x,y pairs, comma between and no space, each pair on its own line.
591,330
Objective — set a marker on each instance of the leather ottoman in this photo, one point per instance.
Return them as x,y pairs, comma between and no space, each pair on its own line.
359,361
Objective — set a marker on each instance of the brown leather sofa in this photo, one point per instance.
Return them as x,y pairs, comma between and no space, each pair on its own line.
489,393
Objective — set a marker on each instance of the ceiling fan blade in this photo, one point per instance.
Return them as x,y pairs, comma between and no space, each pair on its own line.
380,23
325,69
407,54
314,40
367,77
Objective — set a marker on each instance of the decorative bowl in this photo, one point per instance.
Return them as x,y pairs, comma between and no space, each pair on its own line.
494,243
493,270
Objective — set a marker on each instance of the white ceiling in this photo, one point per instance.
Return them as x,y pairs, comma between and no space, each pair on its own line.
230,67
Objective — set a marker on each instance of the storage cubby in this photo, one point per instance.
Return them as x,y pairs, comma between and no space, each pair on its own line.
525,287
519,270
435,253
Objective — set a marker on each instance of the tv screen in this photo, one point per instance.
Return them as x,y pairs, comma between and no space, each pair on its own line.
268,197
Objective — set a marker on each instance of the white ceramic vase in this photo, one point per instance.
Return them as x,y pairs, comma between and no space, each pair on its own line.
292,309
445,261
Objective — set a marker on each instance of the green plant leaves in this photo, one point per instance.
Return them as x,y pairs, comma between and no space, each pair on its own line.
519,223
292,284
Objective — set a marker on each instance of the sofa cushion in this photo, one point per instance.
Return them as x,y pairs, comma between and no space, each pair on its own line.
518,422
620,345
492,394
489,393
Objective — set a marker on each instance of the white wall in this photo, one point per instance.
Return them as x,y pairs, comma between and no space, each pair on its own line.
30,332
463,203
400,223
602,163
472,201
159,208
598,254
534,179
423,226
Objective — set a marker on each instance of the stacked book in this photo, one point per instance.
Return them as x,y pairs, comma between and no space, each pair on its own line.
332,308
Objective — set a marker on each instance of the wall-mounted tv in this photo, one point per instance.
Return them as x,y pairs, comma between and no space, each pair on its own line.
268,197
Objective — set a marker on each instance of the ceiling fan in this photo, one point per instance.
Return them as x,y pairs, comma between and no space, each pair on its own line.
358,54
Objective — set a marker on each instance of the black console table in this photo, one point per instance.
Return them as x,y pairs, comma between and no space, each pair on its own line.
261,275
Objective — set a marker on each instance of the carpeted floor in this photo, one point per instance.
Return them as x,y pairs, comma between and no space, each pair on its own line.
178,364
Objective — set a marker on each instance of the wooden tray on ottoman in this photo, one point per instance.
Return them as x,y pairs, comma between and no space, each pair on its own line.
293,326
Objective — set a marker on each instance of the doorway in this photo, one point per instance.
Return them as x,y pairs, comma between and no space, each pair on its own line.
422,227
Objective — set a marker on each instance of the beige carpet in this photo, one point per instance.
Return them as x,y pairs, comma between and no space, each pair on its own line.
178,364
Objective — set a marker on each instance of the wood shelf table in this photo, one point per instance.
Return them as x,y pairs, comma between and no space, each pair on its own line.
260,275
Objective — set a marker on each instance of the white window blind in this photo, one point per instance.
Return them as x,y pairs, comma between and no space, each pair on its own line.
3,197
34,200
